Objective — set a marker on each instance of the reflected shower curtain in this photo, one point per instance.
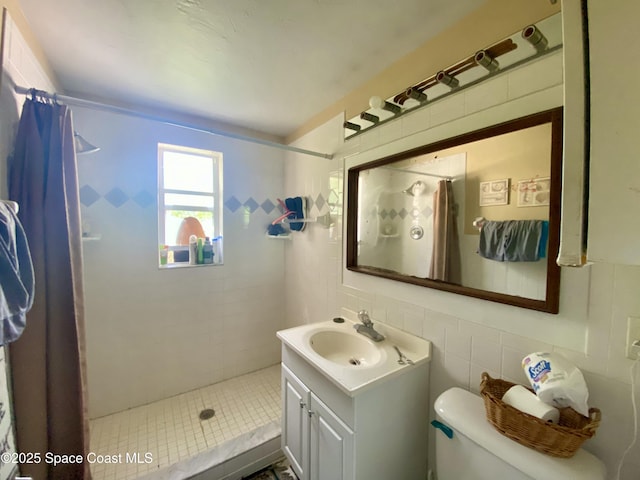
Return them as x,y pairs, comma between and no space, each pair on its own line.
445,259
48,361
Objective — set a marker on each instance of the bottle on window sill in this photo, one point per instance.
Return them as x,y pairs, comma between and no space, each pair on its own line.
217,250
193,250
200,249
164,254
207,251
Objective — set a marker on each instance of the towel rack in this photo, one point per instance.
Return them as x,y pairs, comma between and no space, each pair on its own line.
478,222
324,220
12,205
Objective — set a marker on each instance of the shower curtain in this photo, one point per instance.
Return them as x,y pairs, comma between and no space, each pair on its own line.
445,259
48,361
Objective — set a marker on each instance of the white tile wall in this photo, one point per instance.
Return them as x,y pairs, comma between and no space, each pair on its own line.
471,336
487,94
537,76
447,109
155,333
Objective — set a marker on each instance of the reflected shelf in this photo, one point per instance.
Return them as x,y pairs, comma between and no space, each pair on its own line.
92,238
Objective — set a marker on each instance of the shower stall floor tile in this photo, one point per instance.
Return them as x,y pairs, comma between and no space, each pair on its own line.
169,437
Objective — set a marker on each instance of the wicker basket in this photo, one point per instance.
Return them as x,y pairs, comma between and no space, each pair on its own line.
561,440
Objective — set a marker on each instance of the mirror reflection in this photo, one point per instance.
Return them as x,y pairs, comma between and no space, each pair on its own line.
474,214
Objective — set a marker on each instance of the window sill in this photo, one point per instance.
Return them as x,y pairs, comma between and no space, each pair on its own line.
179,265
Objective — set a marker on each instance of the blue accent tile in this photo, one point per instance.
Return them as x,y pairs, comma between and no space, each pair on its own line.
427,212
267,206
403,213
251,204
116,197
384,214
320,201
143,198
233,204
393,214
88,196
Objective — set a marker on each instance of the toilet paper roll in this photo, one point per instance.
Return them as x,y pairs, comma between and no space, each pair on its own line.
526,401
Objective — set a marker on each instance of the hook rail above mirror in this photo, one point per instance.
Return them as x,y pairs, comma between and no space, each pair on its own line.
531,43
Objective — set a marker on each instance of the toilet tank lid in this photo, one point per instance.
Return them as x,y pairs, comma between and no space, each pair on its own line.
465,413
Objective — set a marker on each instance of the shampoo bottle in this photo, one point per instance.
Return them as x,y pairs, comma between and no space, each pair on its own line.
200,248
193,250
217,250
164,254
207,251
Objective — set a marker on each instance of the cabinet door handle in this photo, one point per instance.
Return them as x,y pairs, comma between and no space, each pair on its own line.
302,404
311,413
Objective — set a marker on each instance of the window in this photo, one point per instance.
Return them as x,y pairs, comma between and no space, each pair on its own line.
189,200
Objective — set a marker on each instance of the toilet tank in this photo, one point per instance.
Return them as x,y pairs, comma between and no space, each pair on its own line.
476,451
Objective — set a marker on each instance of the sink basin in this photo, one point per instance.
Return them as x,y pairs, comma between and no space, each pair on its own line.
348,359
344,348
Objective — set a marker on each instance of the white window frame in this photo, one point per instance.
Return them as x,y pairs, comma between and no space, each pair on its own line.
217,194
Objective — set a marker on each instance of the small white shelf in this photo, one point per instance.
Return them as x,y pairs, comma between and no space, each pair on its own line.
389,235
280,237
92,238
324,220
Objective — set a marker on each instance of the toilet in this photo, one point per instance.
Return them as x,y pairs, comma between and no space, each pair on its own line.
469,448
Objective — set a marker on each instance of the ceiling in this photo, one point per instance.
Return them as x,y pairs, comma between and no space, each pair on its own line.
267,65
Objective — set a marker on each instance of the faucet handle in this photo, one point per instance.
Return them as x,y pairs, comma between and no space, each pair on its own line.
363,316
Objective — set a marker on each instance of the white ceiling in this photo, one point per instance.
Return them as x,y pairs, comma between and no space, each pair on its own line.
268,65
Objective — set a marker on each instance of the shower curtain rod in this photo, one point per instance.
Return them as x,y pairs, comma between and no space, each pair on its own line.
406,170
125,111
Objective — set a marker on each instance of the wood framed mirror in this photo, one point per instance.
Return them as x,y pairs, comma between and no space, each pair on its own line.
477,214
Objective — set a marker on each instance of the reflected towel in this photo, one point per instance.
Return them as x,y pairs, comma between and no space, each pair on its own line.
514,240
297,206
16,276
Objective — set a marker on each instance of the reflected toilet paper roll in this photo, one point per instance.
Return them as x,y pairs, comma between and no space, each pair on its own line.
526,401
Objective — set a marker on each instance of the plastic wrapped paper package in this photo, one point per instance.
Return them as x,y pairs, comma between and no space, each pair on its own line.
556,381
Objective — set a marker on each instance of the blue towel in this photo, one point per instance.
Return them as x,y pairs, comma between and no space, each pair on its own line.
17,283
542,250
514,240
297,205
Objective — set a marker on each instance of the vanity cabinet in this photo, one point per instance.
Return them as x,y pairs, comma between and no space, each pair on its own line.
318,444
296,398
331,444
376,434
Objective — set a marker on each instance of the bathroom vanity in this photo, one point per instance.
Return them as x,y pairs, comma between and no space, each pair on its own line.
350,409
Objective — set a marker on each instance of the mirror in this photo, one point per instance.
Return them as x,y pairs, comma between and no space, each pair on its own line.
477,214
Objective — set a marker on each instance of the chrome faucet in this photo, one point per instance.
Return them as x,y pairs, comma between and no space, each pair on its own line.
366,327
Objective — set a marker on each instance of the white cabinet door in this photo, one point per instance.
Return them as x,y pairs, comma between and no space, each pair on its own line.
332,445
295,423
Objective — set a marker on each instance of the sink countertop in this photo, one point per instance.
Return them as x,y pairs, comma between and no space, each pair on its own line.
353,379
